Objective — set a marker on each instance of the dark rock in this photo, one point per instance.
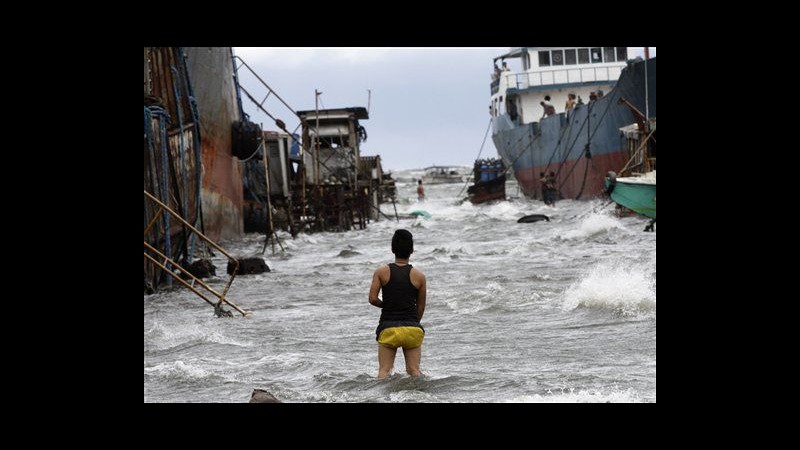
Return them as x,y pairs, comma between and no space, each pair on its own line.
262,396
220,312
201,268
249,266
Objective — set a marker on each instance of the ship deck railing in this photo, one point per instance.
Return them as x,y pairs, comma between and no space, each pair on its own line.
525,80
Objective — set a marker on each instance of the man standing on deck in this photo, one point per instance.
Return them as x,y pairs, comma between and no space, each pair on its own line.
404,295
549,109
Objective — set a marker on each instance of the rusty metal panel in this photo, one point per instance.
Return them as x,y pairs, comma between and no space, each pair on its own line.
171,168
211,71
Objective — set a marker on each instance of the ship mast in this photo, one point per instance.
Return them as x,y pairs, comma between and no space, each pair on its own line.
646,93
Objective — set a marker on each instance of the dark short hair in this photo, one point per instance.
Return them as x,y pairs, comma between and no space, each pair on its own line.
419,181
402,243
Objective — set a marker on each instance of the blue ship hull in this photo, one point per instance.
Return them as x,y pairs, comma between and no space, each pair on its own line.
582,150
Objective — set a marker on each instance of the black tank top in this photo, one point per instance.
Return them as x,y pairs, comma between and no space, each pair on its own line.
399,295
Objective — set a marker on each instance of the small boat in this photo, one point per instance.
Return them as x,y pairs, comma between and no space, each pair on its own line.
490,181
637,191
442,174
421,212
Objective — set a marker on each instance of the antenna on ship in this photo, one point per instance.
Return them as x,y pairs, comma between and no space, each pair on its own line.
369,99
646,93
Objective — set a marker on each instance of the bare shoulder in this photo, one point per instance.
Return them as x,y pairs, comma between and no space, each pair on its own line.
382,272
417,275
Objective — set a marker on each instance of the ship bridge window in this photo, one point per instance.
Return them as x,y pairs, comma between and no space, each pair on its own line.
596,56
558,57
544,59
583,56
569,57
622,53
609,54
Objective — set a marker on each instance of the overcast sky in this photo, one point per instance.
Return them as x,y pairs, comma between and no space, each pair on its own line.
429,106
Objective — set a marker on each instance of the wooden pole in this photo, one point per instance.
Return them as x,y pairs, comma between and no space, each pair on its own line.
395,209
646,93
316,134
269,199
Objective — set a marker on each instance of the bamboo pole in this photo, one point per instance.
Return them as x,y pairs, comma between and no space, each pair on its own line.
316,98
395,209
177,216
179,279
202,236
199,281
155,218
269,198
641,146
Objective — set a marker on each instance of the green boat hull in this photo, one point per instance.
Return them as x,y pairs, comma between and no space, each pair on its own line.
635,196
421,212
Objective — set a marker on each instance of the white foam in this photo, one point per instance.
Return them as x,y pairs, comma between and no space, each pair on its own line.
163,336
592,225
624,287
581,396
177,370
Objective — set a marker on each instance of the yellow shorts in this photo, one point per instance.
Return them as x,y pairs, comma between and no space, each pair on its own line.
406,337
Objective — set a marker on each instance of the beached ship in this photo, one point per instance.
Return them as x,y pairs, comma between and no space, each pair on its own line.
580,145
490,181
195,135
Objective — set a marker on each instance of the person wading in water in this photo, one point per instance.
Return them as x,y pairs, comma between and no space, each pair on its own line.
404,291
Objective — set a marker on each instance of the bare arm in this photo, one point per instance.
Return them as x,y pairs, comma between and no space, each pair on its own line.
422,296
375,288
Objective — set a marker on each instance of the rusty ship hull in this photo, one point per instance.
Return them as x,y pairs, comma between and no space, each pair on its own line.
190,107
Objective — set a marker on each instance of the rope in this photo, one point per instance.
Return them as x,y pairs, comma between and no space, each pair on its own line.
148,130
559,143
282,126
591,210
162,129
583,183
589,140
198,158
261,145
184,197
485,135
